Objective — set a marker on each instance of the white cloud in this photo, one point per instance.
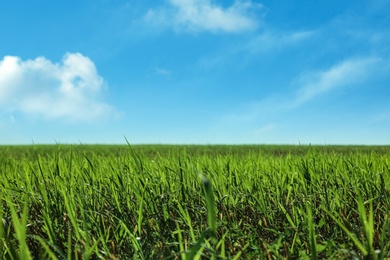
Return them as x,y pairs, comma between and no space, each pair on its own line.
205,15
69,90
348,72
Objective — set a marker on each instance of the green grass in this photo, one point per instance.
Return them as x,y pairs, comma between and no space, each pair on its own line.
194,202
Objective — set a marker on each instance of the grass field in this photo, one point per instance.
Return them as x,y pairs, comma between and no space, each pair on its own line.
194,202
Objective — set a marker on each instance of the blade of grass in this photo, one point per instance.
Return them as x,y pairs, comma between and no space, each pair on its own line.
210,205
20,226
312,235
351,235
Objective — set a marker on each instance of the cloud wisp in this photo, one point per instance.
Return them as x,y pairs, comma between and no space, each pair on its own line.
309,86
205,15
273,40
351,71
68,90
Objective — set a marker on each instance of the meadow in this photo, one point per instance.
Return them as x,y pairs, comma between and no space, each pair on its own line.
194,202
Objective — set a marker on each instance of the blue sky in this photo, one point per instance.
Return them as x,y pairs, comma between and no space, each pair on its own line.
195,71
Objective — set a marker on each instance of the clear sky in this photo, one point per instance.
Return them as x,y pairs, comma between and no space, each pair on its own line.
195,71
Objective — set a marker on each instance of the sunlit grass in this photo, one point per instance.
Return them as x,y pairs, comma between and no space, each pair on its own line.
194,202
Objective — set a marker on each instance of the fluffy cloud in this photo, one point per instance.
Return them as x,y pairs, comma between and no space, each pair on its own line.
204,15
69,90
